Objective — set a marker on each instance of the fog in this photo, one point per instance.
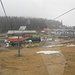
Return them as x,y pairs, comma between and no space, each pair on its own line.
49,9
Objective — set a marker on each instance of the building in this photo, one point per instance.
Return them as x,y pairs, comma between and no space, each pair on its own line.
47,29
25,33
63,33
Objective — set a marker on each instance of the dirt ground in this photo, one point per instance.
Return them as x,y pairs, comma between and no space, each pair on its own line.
31,63
69,53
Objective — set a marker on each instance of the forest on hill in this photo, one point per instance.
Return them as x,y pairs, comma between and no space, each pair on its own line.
13,23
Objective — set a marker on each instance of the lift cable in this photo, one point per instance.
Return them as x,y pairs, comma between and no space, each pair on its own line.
64,13
3,7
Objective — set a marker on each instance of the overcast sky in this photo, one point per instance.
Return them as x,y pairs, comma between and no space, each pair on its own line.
41,8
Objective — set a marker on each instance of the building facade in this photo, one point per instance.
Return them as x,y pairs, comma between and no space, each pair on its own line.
63,33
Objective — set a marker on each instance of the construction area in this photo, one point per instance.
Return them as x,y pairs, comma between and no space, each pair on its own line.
52,58
26,52
43,45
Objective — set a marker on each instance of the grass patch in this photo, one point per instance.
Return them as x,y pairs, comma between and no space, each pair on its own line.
15,47
18,56
0,45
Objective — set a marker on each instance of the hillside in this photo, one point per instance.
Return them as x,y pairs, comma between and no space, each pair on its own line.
13,23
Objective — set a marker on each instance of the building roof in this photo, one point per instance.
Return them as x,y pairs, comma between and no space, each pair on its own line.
20,32
46,29
62,30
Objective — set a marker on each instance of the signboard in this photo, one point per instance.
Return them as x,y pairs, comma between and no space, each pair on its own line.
22,28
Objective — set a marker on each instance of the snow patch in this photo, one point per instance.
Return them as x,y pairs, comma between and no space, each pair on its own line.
70,45
67,45
48,52
53,45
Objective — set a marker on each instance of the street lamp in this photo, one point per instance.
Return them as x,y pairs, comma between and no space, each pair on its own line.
18,47
18,44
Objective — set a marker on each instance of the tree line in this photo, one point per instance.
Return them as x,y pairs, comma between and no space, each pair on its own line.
13,23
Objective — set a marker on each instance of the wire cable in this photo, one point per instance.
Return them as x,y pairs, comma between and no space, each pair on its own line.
64,13
3,7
